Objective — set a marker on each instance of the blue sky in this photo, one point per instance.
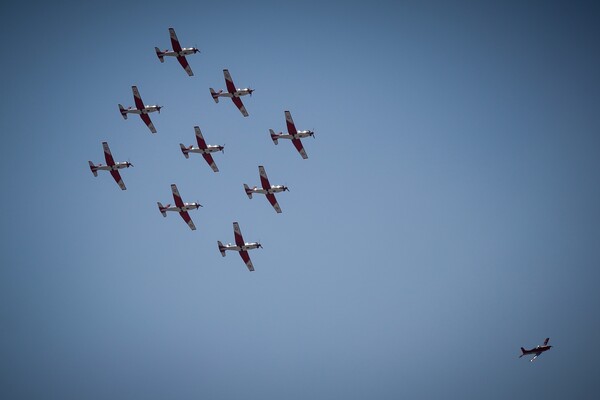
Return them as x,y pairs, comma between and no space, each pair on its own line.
447,214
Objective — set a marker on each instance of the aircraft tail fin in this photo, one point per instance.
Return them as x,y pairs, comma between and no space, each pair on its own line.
161,209
123,111
215,95
273,136
184,150
248,191
522,352
159,54
221,248
93,168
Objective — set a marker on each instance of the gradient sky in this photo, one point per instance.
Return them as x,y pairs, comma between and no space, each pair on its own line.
447,215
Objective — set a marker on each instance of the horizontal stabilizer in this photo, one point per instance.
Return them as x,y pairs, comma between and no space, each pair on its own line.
215,95
159,54
248,191
221,248
123,111
161,209
273,136
184,150
93,168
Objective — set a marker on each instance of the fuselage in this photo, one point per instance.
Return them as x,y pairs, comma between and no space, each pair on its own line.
272,190
298,135
537,349
237,93
186,207
186,51
209,149
118,165
146,110
246,246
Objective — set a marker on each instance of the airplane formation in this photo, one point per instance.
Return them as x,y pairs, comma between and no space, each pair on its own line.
206,150
235,94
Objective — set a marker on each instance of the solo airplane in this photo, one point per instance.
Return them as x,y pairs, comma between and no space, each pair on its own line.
203,148
537,350
141,109
180,207
240,246
232,92
178,52
267,189
293,134
111,166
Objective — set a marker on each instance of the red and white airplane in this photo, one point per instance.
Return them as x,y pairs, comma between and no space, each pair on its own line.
537,350
141,109
203,148
240,246
180,207
178,52
111,166
233,92
267,189
293,134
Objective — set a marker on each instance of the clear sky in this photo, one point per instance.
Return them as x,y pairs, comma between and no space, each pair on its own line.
447,215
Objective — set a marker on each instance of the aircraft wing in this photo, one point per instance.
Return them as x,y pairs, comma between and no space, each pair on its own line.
183,61
290,123
546,341
210,161
237,233
238,102
174,40
107,155
139,104
536,356
298,145
229,82
177,197
188,220
200,138
273,201
246,257
148,122
264,180
117,177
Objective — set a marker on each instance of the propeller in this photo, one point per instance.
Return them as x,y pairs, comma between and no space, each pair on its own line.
223,149
129,164
198,205
312,133
250,91
158,108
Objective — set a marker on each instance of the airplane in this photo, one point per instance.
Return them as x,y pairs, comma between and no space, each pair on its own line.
203,149
180,207
141,109
178,52
536,350
267,189
240,246
111,166
233,92
293,134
